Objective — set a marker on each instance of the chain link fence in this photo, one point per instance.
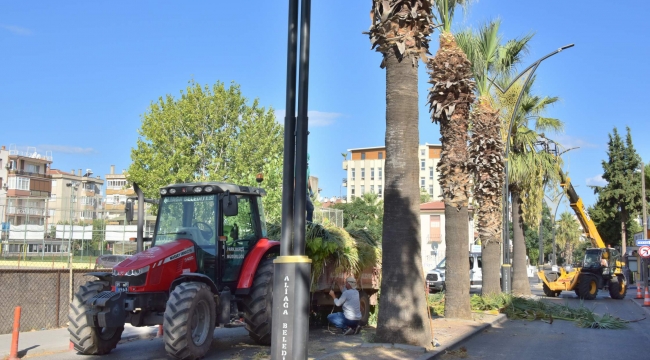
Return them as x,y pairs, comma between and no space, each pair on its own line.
334,216
44,296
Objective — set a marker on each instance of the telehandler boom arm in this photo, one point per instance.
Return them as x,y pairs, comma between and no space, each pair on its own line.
579,208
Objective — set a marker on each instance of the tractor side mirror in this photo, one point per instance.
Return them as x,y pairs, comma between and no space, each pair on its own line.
230,204
128,210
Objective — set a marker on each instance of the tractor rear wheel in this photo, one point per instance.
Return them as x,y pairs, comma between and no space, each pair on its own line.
587,287
364,306
189,321
617,287
88,339
259,302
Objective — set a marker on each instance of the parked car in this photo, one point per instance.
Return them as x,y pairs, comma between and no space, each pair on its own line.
109,261
436,277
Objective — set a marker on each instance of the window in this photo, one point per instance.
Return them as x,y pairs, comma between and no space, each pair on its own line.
380,173
89,186
88,200
431,172
372,173
352,191
363,173
431,190
422,183
87,214
53,197
422,164
353,173
372,189
363,156
18,183
363,189
380,155
379,191
53,184
116,184
116,199
422,152
32,168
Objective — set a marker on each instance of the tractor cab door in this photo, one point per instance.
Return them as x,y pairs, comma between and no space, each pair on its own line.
238,235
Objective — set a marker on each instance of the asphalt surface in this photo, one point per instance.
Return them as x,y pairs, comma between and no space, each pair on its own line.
533,340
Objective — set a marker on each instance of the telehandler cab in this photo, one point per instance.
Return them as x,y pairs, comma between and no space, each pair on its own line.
210,263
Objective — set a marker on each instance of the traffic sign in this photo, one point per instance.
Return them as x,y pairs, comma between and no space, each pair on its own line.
642,242
644,251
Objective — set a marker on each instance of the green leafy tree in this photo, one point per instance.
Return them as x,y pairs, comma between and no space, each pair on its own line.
400,30
209,133
531,235
424,196
622,193
364,212
567,236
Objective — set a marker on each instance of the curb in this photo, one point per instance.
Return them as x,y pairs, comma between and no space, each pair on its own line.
501,318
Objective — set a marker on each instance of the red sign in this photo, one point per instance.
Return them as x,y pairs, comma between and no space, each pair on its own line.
644,251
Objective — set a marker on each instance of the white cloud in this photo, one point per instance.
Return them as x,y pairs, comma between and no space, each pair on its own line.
65,149
596,181
316,118
569,142
17,29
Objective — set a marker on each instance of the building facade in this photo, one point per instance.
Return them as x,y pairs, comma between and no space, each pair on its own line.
26,186
366,166
77,196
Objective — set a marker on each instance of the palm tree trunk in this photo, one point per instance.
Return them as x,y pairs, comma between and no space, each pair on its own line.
491,254
520,284
403,309
457,303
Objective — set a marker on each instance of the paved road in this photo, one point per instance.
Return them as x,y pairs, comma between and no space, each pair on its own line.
536,340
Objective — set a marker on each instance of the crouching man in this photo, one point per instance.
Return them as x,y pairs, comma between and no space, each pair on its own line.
348,320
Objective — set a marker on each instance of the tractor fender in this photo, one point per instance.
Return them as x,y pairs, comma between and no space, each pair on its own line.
262,248
187,277
103,276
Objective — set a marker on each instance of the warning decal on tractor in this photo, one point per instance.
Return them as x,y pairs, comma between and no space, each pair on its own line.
179,254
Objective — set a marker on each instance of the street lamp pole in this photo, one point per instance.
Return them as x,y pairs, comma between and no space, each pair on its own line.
505,268
643,266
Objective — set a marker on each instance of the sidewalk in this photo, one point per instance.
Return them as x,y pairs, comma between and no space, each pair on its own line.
323,344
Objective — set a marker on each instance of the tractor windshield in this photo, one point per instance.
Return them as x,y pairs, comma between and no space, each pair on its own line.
592,258
187,217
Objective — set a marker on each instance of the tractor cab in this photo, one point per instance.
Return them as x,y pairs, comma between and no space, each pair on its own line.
224,221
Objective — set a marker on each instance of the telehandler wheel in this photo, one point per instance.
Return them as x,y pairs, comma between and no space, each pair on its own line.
87,339
189,321
617,287
550,293
587,287
259,302
364,305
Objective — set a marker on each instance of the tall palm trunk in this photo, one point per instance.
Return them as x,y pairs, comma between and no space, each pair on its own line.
403,309
450,100
520,284
486,153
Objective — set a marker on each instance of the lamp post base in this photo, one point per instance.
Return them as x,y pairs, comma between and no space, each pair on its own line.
506,282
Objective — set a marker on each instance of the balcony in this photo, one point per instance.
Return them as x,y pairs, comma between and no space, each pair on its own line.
27,173
24,210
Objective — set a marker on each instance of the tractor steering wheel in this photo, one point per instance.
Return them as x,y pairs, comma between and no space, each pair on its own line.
207,230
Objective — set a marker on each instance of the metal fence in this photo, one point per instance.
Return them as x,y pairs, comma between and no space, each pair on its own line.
50,228
44,296
334,216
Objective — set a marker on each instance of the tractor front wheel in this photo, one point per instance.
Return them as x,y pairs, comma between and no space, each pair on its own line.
259,302
88,339
189,321
548,292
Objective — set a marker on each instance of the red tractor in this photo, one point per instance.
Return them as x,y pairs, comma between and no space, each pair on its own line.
210,262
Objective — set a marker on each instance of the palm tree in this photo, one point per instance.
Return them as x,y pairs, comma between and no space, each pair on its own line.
449,101
399,31
527,168
567,235
489,58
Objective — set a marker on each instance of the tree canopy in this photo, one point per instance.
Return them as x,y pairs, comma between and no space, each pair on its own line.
209,133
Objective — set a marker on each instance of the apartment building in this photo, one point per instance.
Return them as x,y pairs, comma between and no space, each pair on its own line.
75,195
118,191
25,186
366,166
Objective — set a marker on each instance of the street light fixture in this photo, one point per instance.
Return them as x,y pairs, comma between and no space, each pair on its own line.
505,268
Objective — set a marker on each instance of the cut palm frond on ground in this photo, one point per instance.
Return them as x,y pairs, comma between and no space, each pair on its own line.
518,308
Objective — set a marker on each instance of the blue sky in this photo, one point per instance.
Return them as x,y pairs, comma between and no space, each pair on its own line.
76,76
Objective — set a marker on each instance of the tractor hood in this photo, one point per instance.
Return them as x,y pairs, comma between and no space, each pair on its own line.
157,254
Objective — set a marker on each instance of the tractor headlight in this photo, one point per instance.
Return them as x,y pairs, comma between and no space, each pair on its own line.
163,192
137,271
